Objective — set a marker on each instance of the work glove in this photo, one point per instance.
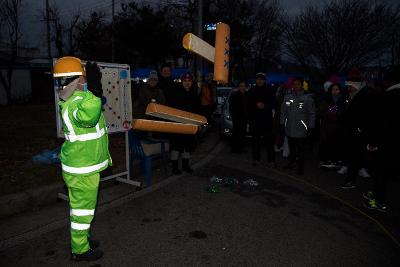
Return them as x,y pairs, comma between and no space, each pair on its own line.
93,79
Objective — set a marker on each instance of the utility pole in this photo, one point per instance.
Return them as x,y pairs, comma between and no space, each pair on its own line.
48,29
200,35
112,33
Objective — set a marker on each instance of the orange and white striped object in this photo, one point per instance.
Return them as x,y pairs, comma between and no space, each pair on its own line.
219,55
196,45
173,114
164,127
221,59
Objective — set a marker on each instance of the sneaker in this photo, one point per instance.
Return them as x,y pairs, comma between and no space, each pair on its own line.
339,164
278,149
348,185
327,164
372,204
90,255
368,196
363,173
342,170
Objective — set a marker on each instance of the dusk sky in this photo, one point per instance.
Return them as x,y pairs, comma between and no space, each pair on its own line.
34,31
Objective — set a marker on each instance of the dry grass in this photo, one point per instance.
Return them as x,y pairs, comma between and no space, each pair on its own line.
28,130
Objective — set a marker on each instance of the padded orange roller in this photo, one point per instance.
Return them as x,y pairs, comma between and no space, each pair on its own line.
219,55
173,114
164,127
221,61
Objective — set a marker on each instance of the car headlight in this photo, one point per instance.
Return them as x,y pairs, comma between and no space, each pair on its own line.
228,117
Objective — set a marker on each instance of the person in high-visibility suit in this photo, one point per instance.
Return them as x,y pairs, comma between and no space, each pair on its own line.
84,153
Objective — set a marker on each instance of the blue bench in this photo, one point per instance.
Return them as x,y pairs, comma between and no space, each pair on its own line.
146,150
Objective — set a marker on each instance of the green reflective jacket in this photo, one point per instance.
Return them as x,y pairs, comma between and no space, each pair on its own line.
85,150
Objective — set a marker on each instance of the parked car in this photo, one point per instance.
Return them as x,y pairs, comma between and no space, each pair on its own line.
222,94
225,123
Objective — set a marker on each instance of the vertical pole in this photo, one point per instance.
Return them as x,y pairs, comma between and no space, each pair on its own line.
128,162
112,33
200,35
48,29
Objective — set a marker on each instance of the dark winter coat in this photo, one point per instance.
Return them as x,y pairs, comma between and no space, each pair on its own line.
331,115
261,119
146,96
298,114
168,86
356,115
238,106
187,101
381,128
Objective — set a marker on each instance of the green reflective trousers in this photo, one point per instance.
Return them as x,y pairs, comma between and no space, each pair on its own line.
82,191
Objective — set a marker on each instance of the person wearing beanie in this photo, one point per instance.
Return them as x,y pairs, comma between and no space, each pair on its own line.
355,120
330,112
261,107
149,93
186,99
382,139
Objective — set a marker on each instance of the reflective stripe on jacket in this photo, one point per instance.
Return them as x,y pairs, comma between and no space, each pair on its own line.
85,150
297,114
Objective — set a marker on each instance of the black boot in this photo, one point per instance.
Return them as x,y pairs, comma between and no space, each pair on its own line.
185,166
90,255
93,243
175,167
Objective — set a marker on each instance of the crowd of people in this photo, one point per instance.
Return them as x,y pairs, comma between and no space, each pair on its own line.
353,123
185,95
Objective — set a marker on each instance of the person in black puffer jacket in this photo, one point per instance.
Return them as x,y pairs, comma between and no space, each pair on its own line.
382,138
187,99
261,107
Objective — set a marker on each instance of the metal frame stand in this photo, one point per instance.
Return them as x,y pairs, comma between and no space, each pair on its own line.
117,176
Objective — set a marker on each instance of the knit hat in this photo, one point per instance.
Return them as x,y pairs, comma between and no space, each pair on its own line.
153,75
327,84
289,83
260,75
334,79
187,76
355,79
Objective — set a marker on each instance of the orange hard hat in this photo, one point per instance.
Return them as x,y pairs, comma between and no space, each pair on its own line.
68,66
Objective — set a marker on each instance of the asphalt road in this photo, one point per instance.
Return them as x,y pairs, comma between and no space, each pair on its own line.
281,222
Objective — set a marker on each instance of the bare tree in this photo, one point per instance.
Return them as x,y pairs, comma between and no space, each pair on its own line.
9,17
62,29
266,41
344,33
93,37
395,39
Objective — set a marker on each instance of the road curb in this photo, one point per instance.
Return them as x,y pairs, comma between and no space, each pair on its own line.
34,233
12,204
